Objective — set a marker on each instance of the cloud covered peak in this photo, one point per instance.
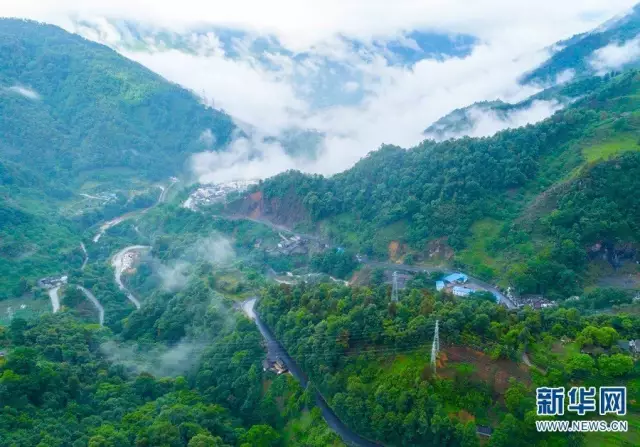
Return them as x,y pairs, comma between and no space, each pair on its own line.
341,77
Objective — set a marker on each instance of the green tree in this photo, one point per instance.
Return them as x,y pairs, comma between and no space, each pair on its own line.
617,365
580,366
261,436
205,440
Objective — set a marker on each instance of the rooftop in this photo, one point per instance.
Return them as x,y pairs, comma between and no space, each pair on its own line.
456,277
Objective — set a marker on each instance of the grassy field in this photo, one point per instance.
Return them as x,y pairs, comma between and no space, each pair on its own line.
233,285
476,253
33,308
402,362
608,149
342,225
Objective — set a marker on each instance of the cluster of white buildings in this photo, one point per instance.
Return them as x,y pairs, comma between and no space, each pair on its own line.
129,259
215,193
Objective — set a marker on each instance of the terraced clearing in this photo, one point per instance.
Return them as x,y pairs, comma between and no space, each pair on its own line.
476,253
606,150
33,308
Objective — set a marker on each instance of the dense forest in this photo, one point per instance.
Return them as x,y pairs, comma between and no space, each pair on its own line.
370,358
68,383
71,105
439,191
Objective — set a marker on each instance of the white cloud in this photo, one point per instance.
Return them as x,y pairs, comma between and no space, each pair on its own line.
24,91
351,86
245,158
244,90
397,103
565,76
616,55
208,138
304,22
488,122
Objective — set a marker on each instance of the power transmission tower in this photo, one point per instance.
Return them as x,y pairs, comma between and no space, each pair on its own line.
394,289
10,313
435,347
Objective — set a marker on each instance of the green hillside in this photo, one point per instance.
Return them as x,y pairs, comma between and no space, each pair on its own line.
575,53
94,109
79,118
516,178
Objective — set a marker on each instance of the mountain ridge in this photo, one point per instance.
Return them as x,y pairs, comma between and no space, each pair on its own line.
435,190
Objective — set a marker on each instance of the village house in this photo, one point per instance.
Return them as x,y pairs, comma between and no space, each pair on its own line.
276,366
484,430
630,346
456,278
535,301
51,282
293,245
462,291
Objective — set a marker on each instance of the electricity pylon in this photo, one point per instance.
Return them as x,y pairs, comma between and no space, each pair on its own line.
394,288
435,347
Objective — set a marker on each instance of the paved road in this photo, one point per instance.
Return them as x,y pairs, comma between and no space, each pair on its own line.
55,298
427,269
277,227
275,349
115,221
165,191
95,302
86,256
118,265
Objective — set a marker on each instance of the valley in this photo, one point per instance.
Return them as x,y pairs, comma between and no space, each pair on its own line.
186,271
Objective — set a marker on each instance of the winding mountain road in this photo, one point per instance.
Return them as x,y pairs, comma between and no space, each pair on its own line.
164,190
275,349
86,256
95,302
119,265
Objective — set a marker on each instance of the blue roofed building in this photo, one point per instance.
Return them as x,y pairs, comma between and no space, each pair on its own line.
439,285
456,278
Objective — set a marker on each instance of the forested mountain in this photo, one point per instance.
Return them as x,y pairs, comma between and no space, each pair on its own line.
442,190
615,45
59,386
70,105
370,358
578,55
465,121
73,113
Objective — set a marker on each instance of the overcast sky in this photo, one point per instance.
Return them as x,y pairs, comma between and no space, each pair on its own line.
398,101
